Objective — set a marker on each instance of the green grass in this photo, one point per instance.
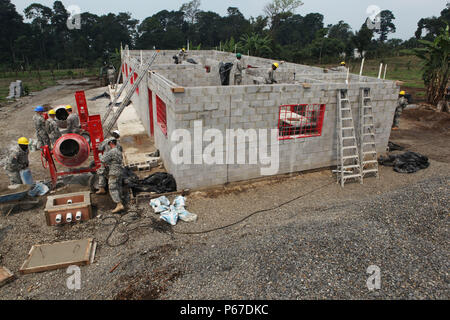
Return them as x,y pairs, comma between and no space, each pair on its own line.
31,80
404,68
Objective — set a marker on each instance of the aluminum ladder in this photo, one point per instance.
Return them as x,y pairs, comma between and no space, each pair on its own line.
348,166
142,71
367,137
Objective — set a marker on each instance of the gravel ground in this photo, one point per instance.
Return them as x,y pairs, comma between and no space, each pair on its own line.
317,247
405,233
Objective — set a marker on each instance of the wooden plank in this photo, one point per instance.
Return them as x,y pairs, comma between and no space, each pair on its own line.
151,196
50,253
306,85
5,276
178,90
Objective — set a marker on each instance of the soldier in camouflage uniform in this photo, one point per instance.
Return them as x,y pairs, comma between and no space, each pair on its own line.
113,161
73,121
104,147
402,104
239,68
52,127
111,72
17,161
39,124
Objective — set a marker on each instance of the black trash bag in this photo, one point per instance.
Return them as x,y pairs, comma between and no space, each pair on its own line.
409,98
103,95
225,70
160,182
408,162
395,147
191,61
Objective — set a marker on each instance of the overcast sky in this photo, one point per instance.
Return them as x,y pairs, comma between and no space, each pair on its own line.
407,12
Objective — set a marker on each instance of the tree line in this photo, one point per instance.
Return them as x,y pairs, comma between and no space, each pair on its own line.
40,38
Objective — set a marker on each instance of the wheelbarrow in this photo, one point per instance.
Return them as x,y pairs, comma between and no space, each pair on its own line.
11,199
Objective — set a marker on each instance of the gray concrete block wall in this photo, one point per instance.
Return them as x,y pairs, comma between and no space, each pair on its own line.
257,107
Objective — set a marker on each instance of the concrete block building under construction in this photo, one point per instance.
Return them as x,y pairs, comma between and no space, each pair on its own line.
193,117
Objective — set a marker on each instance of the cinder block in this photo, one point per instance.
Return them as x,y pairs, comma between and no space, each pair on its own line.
189,116
211,106
196,107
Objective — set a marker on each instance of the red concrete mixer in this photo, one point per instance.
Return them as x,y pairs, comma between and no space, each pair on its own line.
72,150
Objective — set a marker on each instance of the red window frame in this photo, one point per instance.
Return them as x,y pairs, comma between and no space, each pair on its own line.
150,110
300,121
161,115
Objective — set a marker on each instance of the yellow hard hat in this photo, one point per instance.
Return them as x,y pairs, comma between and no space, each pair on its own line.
23,141
52,112
183,49
402,93
68,107
343,63
276,65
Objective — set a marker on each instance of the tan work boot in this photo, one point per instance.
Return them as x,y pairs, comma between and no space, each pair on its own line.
395,129
101,191
119,208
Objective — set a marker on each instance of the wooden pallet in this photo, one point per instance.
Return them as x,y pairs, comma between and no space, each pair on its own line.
5,276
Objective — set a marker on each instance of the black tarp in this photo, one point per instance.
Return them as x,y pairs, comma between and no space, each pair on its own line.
395,147
225,70
408,162
160,182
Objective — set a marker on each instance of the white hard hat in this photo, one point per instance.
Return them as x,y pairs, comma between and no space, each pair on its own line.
117,132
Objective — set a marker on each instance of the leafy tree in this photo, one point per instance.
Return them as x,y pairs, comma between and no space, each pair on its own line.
340,31
277,7
433,25
362,39
41,27
386,25
162,30
256,45
209,27
259,24
191,9
11,24
277,10
234,24
436,69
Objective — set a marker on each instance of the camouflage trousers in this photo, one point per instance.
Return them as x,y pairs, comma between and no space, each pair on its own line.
112,82
237,79
42,140
102,174
398,114
115,188
53,139
14,177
